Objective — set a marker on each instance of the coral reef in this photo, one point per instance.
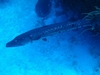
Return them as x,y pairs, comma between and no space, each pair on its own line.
93,14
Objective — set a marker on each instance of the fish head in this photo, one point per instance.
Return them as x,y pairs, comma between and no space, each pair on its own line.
18,41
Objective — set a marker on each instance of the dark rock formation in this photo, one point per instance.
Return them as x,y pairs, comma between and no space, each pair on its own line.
43,8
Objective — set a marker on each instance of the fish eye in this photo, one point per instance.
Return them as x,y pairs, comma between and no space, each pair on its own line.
17,41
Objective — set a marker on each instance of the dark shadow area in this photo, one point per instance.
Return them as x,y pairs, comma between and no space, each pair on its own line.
43,8
77,6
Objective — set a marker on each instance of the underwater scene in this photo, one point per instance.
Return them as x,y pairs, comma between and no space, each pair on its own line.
50,37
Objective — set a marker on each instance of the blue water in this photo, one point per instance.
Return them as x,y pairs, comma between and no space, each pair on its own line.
66,53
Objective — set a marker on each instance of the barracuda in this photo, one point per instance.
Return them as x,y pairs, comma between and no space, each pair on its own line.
36,34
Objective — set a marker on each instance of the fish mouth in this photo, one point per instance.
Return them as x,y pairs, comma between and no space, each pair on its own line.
12,44
9,44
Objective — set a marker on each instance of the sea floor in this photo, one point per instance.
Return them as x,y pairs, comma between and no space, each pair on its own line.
66,53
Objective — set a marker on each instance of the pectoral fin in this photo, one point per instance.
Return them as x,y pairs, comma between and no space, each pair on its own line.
44,39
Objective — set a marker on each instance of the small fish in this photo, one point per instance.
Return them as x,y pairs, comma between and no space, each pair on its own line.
36,34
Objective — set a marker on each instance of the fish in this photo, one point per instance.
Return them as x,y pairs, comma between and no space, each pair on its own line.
38,33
